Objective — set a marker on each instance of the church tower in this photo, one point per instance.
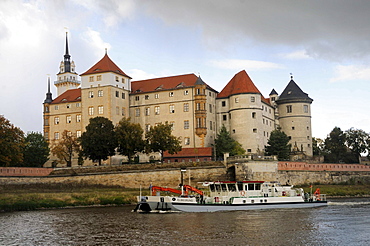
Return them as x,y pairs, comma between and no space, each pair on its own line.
294,107
46,114
67,78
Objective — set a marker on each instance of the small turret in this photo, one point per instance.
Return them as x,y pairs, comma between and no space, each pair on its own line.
48,98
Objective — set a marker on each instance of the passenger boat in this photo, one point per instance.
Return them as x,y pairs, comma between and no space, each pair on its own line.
228,196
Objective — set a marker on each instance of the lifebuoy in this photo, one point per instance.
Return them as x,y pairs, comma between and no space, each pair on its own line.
242,193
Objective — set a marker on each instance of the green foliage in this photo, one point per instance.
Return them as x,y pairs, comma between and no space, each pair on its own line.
129,138
335,147
11,144
358,141
159,139
317,146
36,150
98,142
226,144
64,148
278,144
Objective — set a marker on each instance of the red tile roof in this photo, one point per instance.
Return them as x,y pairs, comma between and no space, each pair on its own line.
73,95
240,83
105,65
191,152
165,83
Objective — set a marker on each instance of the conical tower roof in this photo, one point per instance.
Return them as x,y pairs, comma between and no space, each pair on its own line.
292,93
105,65
239,84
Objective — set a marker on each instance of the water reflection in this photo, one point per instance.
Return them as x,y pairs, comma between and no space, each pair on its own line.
332,225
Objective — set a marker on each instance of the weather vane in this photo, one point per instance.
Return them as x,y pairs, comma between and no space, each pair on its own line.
291,75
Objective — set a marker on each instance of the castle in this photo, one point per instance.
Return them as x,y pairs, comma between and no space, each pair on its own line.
195,110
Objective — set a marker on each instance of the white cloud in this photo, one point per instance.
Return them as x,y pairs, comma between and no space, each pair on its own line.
249,65
95,41
296,55
351,72
137,74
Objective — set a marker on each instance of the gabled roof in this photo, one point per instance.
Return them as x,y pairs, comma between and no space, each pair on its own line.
240,83
292,93
73,95
105,65
165,83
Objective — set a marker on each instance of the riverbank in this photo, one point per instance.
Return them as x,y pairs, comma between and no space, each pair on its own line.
32,197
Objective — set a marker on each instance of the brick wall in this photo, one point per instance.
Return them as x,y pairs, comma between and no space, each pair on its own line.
303,166
24,171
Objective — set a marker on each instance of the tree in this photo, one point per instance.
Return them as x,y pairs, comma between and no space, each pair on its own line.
129,138
317,146
36,150
64,148
98,142
358,141
11,143
159,139
278,144
226,144
335,146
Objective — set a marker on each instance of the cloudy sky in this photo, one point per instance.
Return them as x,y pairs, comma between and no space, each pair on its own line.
324,44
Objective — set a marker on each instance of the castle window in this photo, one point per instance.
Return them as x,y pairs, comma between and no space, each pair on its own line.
98,78
156,110
117,93
78,133
223,103
137,112
186,92
147,128
78,118
187,141
199,122
91,110
56,120
236,99
254,130
289,108
186,107
56,135
305,108
123,80
198,91
123,95
123,111
293,128
56,107
224,117
100,109
68,105
156,96
210,125
172,109
147,111
272,99
253,99
91,94
146,97
91,79
171,94
137,98
186,124
172,124
100,93
69,119
197,106
210,108
117,80
77,105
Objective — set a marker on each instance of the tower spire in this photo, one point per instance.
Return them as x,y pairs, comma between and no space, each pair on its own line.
67,57
49,98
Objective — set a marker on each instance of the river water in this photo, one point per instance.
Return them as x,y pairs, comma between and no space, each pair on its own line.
342,222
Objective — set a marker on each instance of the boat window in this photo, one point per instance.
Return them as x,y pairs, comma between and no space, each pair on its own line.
250,186
223,186
212,187
240,186
231,187
258,186
218,187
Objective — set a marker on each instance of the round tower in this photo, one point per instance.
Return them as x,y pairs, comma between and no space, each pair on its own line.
294,107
